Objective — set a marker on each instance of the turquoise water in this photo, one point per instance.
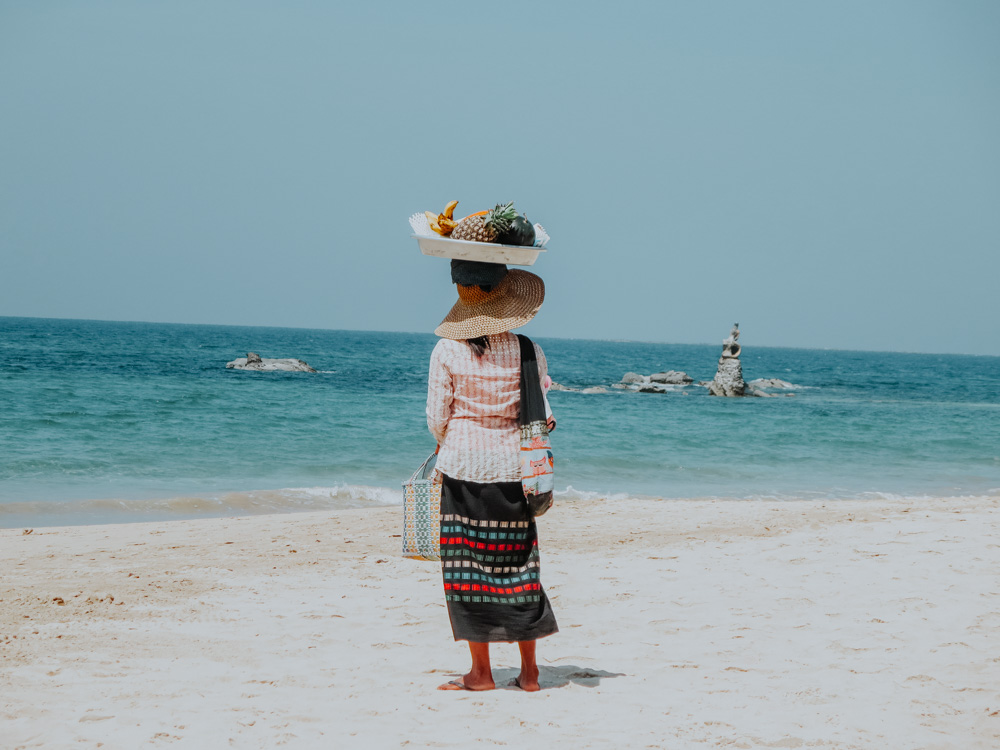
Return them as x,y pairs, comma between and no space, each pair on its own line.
132,421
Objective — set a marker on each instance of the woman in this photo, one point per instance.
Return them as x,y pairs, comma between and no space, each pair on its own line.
489,551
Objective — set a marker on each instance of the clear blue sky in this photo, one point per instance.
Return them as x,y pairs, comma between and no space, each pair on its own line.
827,174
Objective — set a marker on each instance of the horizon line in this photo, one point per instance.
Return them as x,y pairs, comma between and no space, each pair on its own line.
430,333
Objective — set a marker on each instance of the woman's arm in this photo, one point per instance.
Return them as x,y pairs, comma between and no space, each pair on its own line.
440,393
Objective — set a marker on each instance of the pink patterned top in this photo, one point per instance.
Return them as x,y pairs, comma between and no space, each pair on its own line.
473,406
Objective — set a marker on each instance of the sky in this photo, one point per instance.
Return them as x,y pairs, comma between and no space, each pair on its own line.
826,174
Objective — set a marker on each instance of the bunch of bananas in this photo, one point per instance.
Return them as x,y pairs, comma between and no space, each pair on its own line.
444,223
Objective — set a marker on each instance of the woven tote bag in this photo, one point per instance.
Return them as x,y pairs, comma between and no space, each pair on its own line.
422,513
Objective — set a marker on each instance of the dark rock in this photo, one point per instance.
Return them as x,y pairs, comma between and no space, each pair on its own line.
653,388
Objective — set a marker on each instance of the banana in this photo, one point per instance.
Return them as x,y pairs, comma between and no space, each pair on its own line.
443,223
432,220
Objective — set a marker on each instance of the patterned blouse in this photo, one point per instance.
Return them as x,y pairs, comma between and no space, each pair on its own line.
473,407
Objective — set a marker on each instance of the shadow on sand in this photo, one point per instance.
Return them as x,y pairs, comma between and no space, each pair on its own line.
555,677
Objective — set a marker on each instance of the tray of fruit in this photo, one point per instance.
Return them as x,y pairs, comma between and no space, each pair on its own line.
499,235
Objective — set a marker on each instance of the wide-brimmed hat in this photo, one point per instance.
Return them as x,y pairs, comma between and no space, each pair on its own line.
508,305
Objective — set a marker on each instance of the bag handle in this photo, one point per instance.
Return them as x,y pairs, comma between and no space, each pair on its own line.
425,470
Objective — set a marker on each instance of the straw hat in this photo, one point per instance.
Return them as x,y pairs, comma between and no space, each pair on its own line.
508,305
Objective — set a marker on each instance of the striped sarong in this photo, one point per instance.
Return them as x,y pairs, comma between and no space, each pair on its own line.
490,564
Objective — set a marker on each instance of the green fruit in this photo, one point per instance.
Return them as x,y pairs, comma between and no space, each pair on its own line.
521,232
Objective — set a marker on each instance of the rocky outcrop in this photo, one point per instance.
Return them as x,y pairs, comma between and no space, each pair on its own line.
653,388
728,380
255,363
659,382
771,383
591,389
672,377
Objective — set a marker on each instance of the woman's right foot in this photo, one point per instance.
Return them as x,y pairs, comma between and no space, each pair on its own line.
469,683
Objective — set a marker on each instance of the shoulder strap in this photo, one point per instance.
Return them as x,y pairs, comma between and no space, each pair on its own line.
532,401
527,349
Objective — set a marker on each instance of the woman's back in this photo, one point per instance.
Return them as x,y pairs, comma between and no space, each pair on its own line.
473,406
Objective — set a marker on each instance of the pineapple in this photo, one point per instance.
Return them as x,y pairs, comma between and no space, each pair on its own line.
485,227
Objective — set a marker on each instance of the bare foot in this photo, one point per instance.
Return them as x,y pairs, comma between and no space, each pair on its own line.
528,685
469,683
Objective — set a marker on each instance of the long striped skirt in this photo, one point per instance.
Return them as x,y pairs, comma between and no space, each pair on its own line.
490,564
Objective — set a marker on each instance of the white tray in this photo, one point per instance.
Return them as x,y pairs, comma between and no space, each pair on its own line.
431,243
488,252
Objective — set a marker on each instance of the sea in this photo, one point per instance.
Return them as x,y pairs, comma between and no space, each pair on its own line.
106,422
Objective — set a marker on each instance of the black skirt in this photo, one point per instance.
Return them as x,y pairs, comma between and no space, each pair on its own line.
490,564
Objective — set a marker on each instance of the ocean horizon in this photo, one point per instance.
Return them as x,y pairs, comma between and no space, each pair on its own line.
608,340
107,421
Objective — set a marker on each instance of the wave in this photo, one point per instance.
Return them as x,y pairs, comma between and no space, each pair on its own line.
345,497
571,493
254,502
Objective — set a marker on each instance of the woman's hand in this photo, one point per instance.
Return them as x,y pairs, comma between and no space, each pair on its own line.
550,423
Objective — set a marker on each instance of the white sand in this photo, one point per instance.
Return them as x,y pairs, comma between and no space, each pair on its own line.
852,624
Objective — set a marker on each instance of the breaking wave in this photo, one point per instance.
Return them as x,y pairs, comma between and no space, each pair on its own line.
255,502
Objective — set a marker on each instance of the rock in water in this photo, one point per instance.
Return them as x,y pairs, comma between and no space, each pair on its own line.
660,382
254,362
728,379
771,383
674,377
653,388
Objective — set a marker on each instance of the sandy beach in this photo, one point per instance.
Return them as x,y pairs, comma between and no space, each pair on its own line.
744,624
